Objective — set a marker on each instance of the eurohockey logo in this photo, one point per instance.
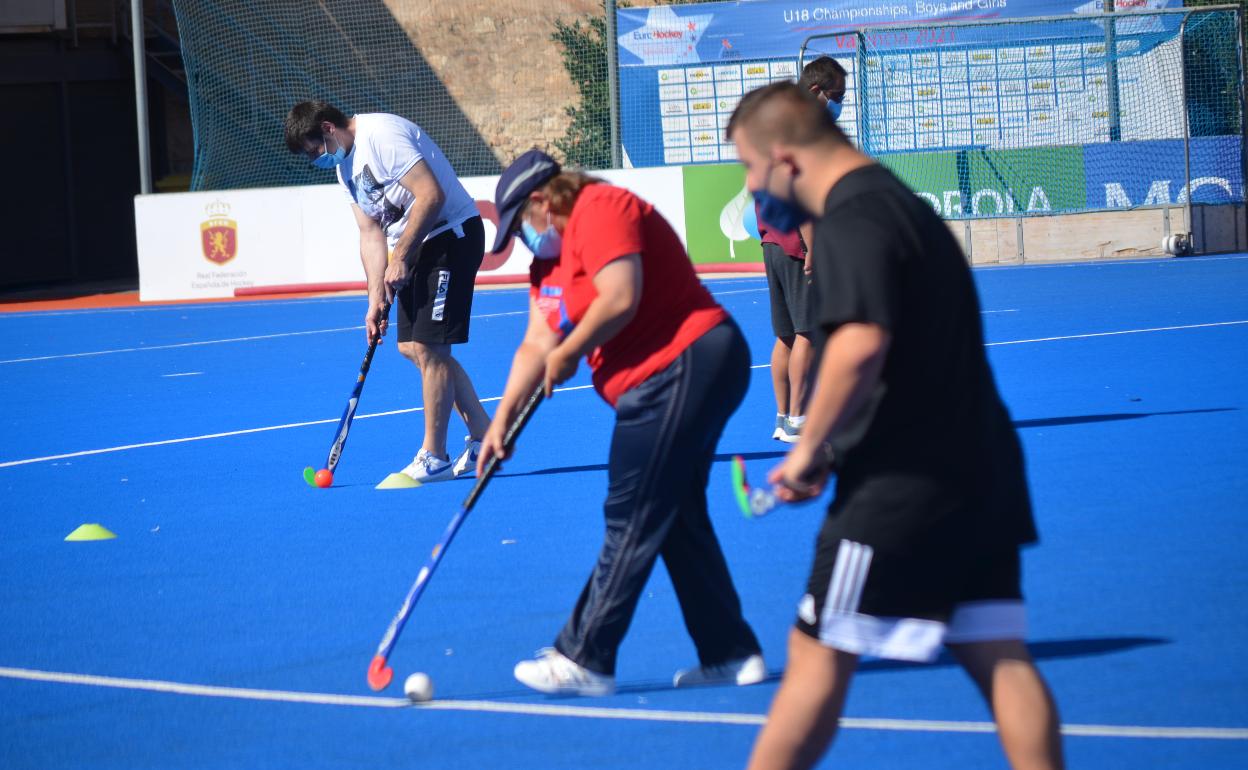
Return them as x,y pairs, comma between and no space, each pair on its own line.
666,37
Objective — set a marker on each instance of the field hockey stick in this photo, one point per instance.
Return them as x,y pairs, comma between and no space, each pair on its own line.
379,673
754,502
348,414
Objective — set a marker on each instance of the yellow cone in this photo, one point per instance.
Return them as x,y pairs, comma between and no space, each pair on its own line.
89,532
398,481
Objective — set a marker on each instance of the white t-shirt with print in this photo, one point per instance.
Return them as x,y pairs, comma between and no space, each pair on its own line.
387,147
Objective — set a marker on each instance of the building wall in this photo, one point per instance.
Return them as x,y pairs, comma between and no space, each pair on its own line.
71,160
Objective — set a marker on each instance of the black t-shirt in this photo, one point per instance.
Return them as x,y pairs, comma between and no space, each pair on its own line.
884,257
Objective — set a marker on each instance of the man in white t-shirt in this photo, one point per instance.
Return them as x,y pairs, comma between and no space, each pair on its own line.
421,242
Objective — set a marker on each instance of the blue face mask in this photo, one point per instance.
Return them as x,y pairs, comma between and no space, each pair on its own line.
834,109
784,215
544,245
326,160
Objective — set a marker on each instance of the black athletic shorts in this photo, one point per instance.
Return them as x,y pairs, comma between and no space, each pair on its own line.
901,566
792,296
436,305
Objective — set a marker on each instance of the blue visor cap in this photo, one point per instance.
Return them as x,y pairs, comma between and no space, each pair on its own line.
527,173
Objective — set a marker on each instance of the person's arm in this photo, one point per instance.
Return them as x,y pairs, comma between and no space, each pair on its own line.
427,200
852,361
527,366
808,239
373,253
618,284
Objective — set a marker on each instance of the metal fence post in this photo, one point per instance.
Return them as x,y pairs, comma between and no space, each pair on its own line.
1243,120
140,96
1187,132
1111,72
613,85
860,63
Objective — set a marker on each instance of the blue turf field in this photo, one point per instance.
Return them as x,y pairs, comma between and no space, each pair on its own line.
231,622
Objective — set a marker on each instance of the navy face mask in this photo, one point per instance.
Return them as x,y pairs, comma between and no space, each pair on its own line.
834,109
782,214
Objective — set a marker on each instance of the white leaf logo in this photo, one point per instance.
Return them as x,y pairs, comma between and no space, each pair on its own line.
732,219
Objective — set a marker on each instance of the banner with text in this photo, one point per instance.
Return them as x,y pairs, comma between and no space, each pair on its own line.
684,68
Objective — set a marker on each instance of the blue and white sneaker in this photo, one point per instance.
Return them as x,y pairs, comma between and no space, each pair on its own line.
466,463
787,430
426,467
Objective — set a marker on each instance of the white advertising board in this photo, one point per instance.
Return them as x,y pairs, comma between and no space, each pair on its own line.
205,245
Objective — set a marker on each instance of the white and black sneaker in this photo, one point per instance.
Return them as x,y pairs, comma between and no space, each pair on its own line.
466,463
426,467
747,670
556,674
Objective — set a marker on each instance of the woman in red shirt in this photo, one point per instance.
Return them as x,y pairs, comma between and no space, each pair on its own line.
611,282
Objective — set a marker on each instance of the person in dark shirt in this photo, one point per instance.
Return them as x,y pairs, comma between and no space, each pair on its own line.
920,547
787,264
787,261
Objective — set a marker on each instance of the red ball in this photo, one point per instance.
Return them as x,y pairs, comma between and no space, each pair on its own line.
324,477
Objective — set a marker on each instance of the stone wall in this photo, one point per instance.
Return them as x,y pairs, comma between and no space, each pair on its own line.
499,63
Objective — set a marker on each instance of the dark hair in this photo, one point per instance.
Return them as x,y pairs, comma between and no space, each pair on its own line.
304,121
824,72
783,113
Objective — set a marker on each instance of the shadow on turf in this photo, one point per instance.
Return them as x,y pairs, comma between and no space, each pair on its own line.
1049,422
719,458
1051,650
1040,422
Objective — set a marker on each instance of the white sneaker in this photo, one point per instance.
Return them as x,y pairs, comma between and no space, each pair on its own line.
748,670
466,463
426,467
556,674
778,433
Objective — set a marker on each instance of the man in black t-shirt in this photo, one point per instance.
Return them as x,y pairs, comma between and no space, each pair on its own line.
920,547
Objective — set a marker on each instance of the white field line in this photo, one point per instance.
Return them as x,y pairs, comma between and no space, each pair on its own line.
592,712
355,298
182,374
1159,261
253,338
1114,334
215,342
226,305
23,314
83,453
222,305
178,345
242,432
764,288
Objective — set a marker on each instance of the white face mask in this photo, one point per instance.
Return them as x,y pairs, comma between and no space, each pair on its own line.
544,245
